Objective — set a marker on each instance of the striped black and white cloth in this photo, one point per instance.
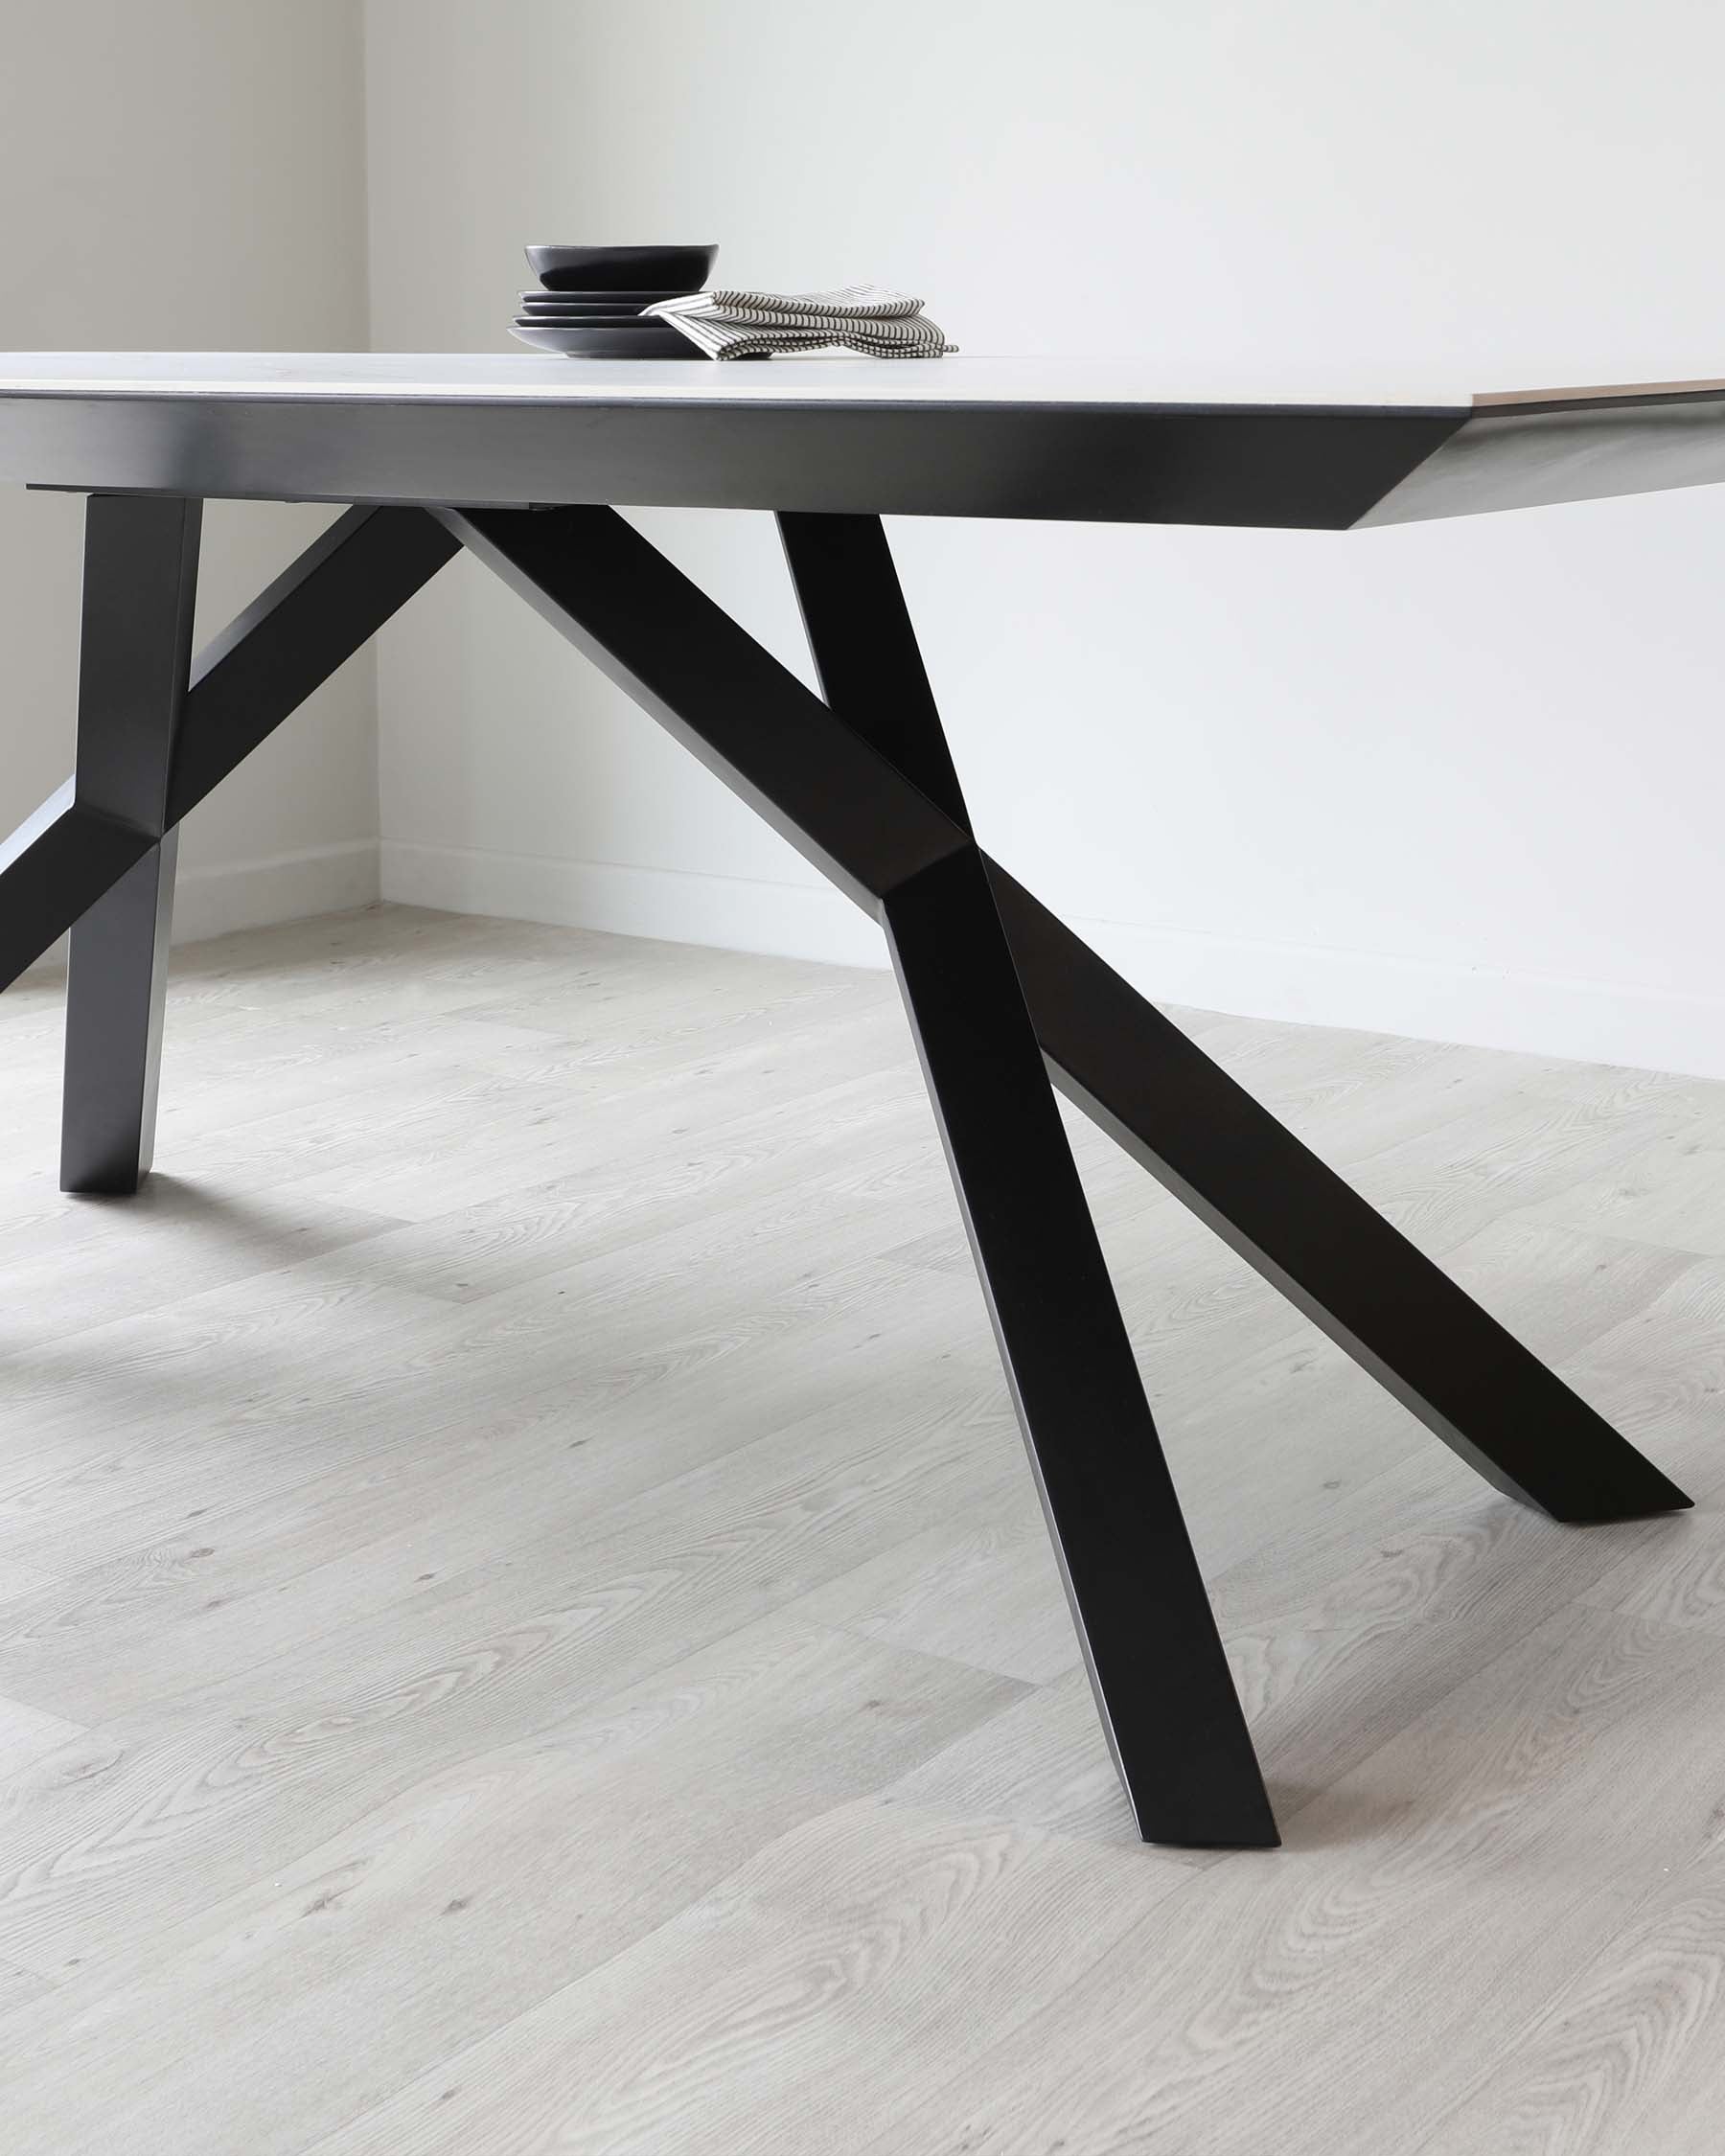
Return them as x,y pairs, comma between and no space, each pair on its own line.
732,325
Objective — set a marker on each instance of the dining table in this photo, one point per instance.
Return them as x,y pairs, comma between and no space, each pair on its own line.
522,461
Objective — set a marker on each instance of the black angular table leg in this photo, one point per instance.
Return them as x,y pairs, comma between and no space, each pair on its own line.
1161,1681
346,585
140,580
1202,1135
1167,1700
1310,1233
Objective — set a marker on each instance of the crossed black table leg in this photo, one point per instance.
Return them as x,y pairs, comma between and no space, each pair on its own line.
1001,996
140,582
156,733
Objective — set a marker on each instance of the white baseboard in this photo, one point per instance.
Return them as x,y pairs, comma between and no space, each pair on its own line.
1595,1021
251,894
731,913
1487,1007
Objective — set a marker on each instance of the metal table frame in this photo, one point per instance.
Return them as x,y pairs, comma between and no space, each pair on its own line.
1003,998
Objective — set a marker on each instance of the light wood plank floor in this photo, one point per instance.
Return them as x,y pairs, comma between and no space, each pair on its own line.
524,1624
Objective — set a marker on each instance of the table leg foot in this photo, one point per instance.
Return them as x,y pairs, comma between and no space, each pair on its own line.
116,992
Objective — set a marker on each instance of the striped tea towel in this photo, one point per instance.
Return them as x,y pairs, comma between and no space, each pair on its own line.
860,317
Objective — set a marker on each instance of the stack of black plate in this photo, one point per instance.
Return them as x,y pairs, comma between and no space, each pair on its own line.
588,301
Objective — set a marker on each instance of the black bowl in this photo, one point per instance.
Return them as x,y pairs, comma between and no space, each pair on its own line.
610,269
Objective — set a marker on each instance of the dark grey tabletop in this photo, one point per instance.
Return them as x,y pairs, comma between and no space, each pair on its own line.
1088,439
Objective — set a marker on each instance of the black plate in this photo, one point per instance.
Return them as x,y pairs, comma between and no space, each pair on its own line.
591,322
587,311
626,343
566,311
583,295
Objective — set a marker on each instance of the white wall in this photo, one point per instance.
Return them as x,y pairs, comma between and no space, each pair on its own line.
186,175
1458,780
